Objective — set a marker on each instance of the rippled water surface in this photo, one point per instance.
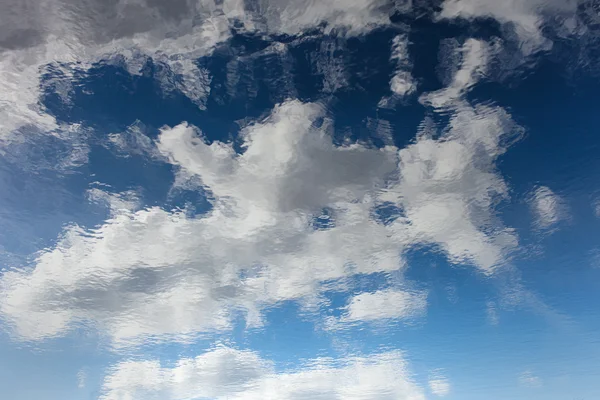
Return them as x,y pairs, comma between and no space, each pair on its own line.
277,199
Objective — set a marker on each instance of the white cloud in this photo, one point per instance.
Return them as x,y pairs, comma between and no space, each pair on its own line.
548,208
287,165
351,16
218,373
385,304
151,272
60,33
526,16
34,34
439,385
402,82
448,188
474,55
154,272
226,373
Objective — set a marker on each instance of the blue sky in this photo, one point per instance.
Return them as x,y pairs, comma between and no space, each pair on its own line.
299,201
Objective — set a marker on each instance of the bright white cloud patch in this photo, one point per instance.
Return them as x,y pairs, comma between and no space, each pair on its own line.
448,188
385,304
548,208
226,373
288,164
216,374
154,272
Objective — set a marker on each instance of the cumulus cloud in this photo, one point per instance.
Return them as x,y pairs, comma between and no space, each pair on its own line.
295,164
448,188
227,373
548,208
218,373
448,185
153,272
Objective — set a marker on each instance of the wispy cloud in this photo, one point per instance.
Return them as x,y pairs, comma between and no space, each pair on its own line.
402,82
492,313
525,17
71,36
529,379
596,207
82,378
439,385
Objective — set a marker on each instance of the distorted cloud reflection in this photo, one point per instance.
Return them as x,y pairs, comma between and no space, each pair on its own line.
356,199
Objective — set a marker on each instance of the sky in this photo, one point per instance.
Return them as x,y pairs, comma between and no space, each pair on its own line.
274,199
